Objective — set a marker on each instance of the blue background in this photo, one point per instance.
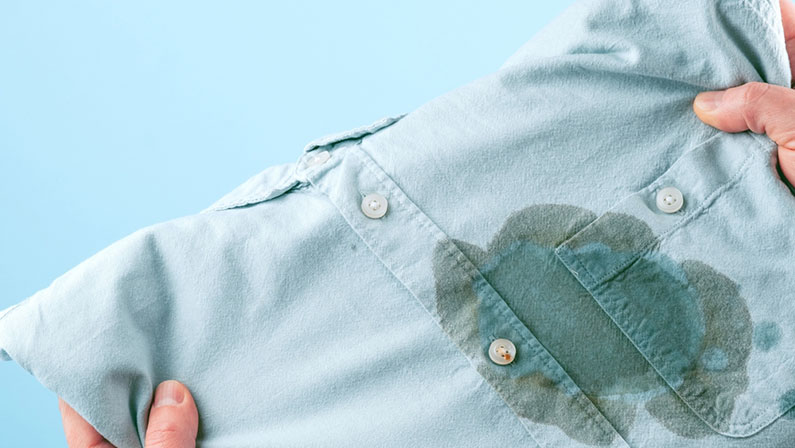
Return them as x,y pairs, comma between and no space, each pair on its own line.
115,116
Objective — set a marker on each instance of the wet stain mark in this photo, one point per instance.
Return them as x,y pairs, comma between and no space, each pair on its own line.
785,404
688,305
767,334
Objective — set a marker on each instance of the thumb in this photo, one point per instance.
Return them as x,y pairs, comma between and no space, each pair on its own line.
756,106
173,418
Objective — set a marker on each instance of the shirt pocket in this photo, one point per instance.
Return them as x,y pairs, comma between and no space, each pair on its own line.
705,293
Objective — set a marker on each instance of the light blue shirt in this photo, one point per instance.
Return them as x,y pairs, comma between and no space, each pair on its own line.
558,254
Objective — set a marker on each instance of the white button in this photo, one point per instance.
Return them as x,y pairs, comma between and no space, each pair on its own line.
317,159
374,205
669,199
502,351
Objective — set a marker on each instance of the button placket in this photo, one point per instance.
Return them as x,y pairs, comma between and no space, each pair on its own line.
404,240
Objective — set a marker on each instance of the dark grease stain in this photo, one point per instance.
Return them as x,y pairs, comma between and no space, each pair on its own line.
687,305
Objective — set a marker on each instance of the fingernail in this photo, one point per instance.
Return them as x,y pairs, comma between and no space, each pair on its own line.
708,101
168,393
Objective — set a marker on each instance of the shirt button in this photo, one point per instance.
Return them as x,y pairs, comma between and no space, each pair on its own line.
374,205
669,199
502,351
317,159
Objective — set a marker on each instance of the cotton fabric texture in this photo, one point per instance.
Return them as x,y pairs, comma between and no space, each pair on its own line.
520,206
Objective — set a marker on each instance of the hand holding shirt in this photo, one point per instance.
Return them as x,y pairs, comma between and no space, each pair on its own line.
556,254
759,107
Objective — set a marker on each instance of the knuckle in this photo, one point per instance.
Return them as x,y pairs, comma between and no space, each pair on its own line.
753,92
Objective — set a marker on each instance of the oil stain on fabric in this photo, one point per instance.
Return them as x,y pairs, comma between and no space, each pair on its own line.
696,308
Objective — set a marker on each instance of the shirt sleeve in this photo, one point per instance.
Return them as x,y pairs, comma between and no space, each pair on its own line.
92,335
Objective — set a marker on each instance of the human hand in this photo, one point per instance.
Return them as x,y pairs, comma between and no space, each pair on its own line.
173,421
762,108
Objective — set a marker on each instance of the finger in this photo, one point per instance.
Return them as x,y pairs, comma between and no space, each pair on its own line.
173,418
79,433
788,19
759,107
